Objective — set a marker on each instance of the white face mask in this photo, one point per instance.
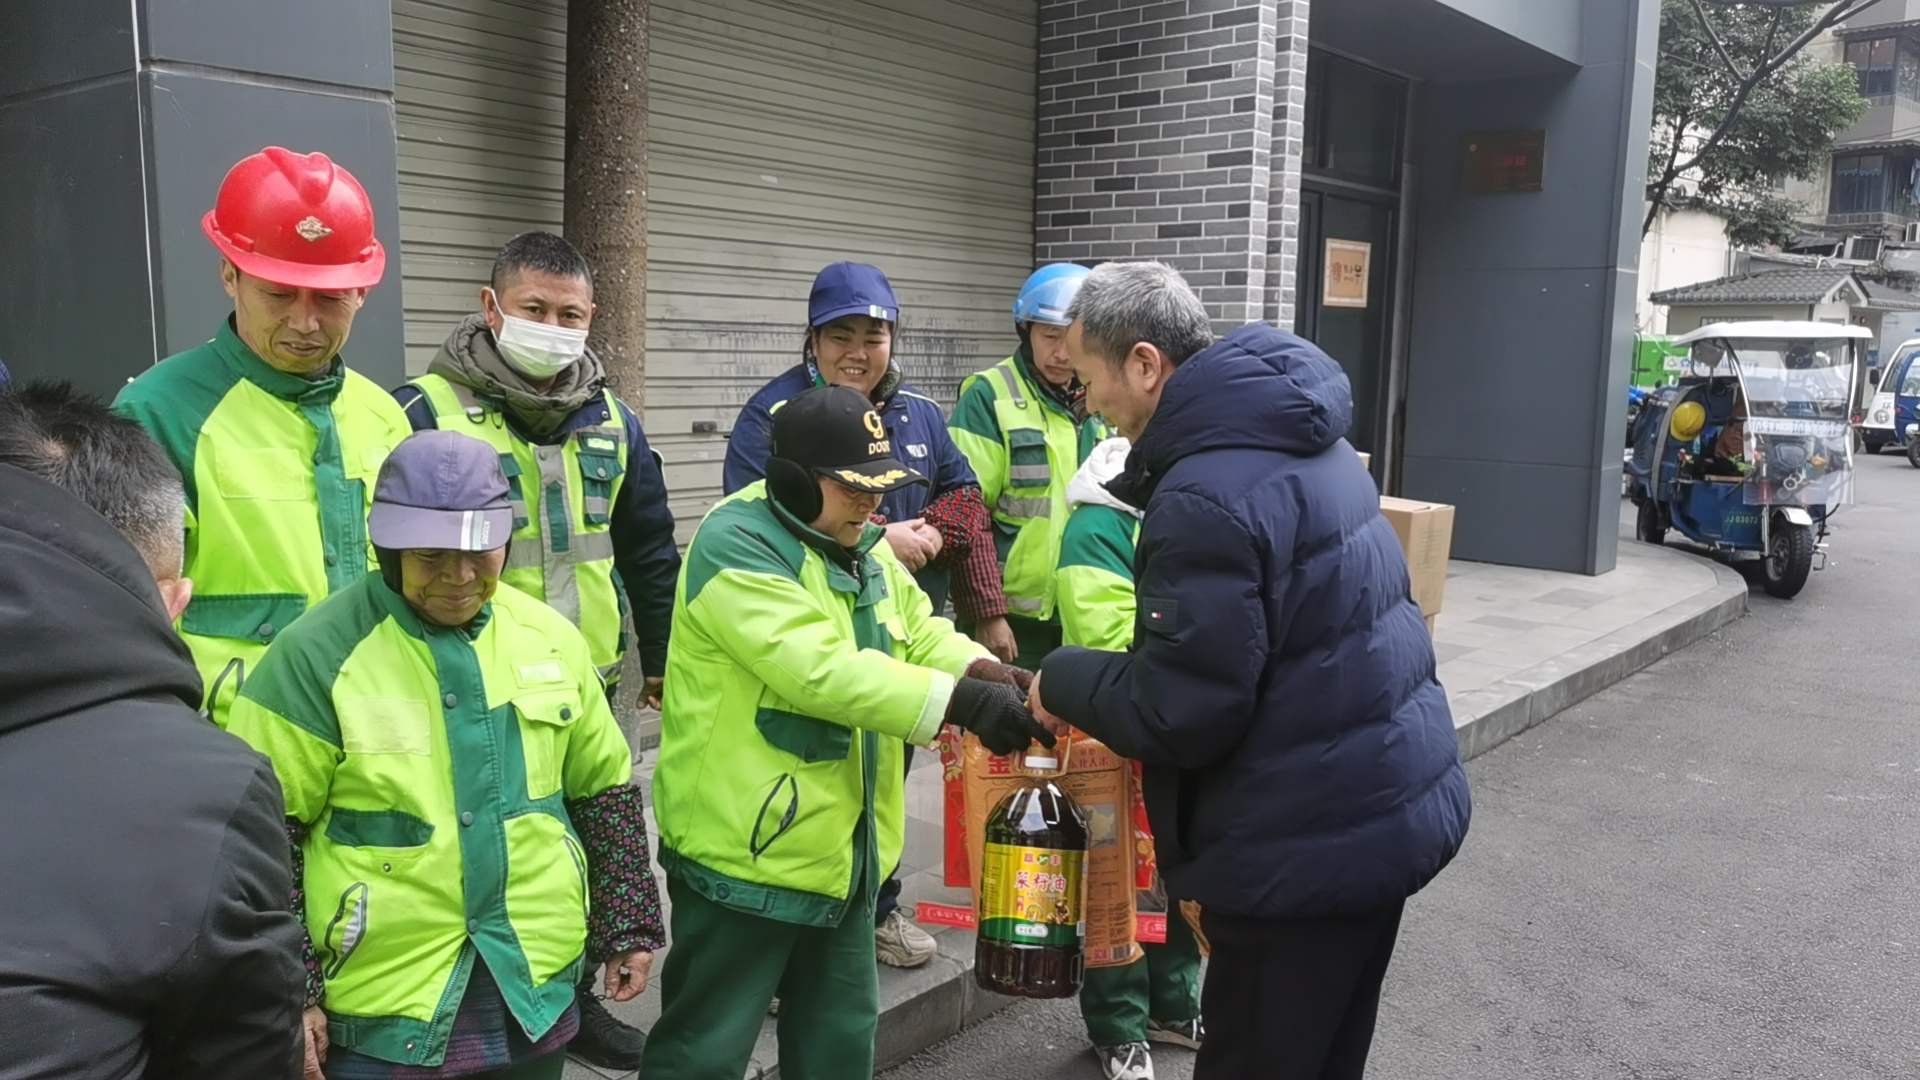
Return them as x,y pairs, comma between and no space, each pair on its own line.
536,349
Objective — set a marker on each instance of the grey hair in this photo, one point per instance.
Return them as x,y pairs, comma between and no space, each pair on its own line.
77,443
1120,305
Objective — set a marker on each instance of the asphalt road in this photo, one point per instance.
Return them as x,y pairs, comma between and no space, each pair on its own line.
1709,870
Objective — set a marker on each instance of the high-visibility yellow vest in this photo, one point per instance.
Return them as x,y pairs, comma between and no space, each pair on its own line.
1024,447
562,513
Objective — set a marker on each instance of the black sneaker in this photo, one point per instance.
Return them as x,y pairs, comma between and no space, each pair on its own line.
603,1040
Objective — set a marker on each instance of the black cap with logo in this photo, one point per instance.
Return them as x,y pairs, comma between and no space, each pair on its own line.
833,431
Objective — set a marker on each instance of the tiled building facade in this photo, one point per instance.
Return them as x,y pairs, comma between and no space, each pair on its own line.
1172,131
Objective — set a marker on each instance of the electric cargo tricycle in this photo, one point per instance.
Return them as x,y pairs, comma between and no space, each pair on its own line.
1750,453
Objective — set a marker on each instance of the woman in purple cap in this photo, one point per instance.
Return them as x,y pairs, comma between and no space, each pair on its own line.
940,531
457,791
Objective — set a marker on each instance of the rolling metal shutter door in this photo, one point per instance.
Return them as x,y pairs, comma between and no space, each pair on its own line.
479,98
785,136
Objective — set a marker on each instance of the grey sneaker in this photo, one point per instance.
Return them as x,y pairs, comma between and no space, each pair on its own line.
1128,1061
1187,1033
899,943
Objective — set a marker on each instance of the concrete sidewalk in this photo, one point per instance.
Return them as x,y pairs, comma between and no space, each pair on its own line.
1515,647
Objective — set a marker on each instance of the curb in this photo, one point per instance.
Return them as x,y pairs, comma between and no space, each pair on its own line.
918,1007
925,1005
1485,718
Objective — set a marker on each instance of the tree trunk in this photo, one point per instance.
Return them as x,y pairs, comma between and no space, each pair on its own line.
606,218
606,177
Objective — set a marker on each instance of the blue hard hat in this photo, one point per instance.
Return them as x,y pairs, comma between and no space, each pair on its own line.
851,288
1047,294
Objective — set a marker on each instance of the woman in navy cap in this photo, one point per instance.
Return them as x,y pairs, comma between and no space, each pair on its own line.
852,324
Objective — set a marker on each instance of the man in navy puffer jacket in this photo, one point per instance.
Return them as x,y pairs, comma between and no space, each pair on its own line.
1302,775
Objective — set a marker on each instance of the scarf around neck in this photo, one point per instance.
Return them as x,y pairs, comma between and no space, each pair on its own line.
470,358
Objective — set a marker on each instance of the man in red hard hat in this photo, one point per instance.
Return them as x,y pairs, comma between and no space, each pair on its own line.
278,441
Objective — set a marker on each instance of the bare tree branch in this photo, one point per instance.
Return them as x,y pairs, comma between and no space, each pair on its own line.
1673,152
1720,46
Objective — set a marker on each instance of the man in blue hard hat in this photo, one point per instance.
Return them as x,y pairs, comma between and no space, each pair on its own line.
1024,426
853,320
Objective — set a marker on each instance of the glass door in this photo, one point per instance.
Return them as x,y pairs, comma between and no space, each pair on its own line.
1345,304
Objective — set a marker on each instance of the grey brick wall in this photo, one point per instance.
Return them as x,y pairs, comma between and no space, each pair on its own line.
1159,138
1288,143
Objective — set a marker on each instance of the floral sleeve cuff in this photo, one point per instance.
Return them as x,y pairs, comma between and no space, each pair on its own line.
625,909
316,985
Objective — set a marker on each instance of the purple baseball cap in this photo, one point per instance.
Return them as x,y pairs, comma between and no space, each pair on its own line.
442,491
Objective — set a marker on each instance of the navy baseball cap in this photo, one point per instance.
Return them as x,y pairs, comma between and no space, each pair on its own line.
442,491
851,288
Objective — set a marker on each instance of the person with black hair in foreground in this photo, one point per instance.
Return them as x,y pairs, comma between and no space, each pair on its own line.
144,922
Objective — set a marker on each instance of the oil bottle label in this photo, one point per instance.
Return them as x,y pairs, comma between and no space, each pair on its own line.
1032,896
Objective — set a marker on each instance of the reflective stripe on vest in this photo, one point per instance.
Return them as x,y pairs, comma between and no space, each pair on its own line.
1031,509
1012,383
562,498
587,547
556,539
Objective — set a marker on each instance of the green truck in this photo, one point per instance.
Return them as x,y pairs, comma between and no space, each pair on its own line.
1656,360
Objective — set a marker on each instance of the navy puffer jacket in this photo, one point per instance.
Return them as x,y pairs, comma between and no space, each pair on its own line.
1300,756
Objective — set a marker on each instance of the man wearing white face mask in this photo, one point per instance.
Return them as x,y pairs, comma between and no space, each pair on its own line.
592,532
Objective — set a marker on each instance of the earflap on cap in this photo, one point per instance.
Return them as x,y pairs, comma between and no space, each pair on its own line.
794,488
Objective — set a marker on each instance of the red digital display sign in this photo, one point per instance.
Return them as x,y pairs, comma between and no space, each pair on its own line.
1503,162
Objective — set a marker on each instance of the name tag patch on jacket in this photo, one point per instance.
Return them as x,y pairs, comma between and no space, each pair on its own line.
602,444
917,449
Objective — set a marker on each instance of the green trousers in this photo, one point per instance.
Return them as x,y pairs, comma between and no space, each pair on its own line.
1115,1002
725,968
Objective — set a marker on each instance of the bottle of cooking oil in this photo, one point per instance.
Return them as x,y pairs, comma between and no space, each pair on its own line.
1031,918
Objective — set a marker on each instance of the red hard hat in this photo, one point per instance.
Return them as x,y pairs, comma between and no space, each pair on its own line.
296,219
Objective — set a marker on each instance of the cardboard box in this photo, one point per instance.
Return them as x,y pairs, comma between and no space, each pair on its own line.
1430,621
1101,782
1366,459
1426,536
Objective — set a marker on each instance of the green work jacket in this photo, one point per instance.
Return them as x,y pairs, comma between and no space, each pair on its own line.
562,513
1024,447
794,682
1095,580
279,474
432,765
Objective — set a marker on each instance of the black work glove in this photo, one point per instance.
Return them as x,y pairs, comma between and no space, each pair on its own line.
997,713
994,671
